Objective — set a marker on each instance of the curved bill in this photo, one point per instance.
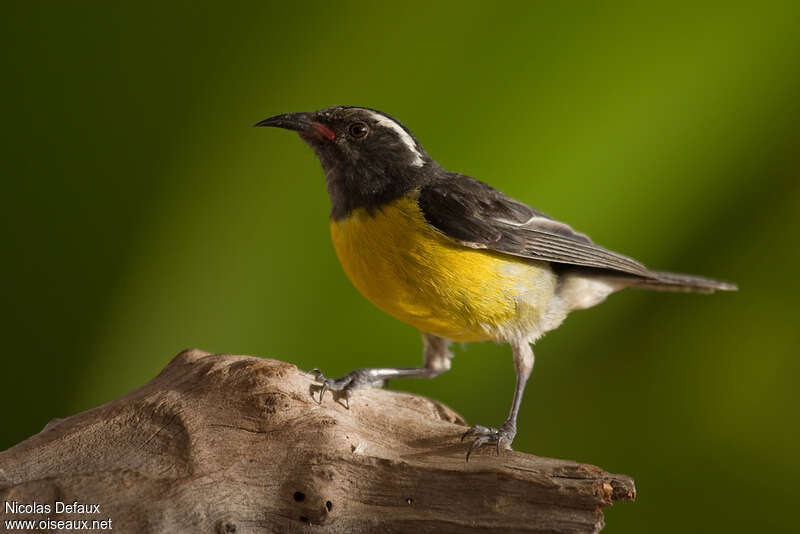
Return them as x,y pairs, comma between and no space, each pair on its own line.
299,122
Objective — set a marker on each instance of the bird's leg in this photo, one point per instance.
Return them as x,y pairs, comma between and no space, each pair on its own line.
503,436
437,360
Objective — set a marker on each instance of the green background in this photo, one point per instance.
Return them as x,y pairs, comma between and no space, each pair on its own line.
141,214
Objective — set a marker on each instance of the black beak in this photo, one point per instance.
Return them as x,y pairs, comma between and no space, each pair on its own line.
299,122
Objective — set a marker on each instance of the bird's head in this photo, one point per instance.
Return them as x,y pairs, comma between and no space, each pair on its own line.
369,158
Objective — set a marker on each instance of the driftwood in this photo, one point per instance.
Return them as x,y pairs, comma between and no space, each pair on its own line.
221,443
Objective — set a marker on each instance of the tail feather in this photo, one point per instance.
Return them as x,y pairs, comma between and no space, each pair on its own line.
662,281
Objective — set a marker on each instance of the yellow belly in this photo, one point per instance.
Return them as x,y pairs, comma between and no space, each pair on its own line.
416,274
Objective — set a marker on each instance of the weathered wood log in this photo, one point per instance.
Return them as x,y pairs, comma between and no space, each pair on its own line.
221,443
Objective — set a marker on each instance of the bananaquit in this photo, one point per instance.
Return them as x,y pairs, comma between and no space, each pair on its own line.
450,255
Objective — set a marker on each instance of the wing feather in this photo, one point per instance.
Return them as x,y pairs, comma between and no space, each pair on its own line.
479,216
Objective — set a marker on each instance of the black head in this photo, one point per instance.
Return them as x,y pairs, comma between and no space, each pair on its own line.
369,158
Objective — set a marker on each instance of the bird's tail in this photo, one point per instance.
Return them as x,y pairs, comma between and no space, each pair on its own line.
662,281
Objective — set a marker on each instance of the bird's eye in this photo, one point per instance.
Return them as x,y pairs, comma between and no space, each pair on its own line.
359,130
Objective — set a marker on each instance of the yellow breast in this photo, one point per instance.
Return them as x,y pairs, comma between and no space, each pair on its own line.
418,275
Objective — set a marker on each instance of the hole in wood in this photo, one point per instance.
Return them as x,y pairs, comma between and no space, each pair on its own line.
299,496
329,505
304,519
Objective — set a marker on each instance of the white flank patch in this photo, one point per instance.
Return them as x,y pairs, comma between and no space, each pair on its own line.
580,292
404,136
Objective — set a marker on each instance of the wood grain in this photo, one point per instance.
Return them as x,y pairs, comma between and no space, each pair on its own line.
223,443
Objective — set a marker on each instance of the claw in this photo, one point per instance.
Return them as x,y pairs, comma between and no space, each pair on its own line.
475,430
484,435
475,444
345,385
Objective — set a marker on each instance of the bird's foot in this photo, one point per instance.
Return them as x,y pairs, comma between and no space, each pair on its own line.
500,437
358,379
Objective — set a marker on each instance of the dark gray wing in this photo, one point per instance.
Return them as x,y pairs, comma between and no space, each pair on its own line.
479,216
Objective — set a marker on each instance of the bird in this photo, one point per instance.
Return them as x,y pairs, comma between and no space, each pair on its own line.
451,256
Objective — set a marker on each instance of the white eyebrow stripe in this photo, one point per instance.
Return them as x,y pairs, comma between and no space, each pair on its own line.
404,136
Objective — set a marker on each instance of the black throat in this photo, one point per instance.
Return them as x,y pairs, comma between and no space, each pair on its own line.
369,188
371,182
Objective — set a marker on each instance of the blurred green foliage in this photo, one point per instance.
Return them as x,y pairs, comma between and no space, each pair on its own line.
142,215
